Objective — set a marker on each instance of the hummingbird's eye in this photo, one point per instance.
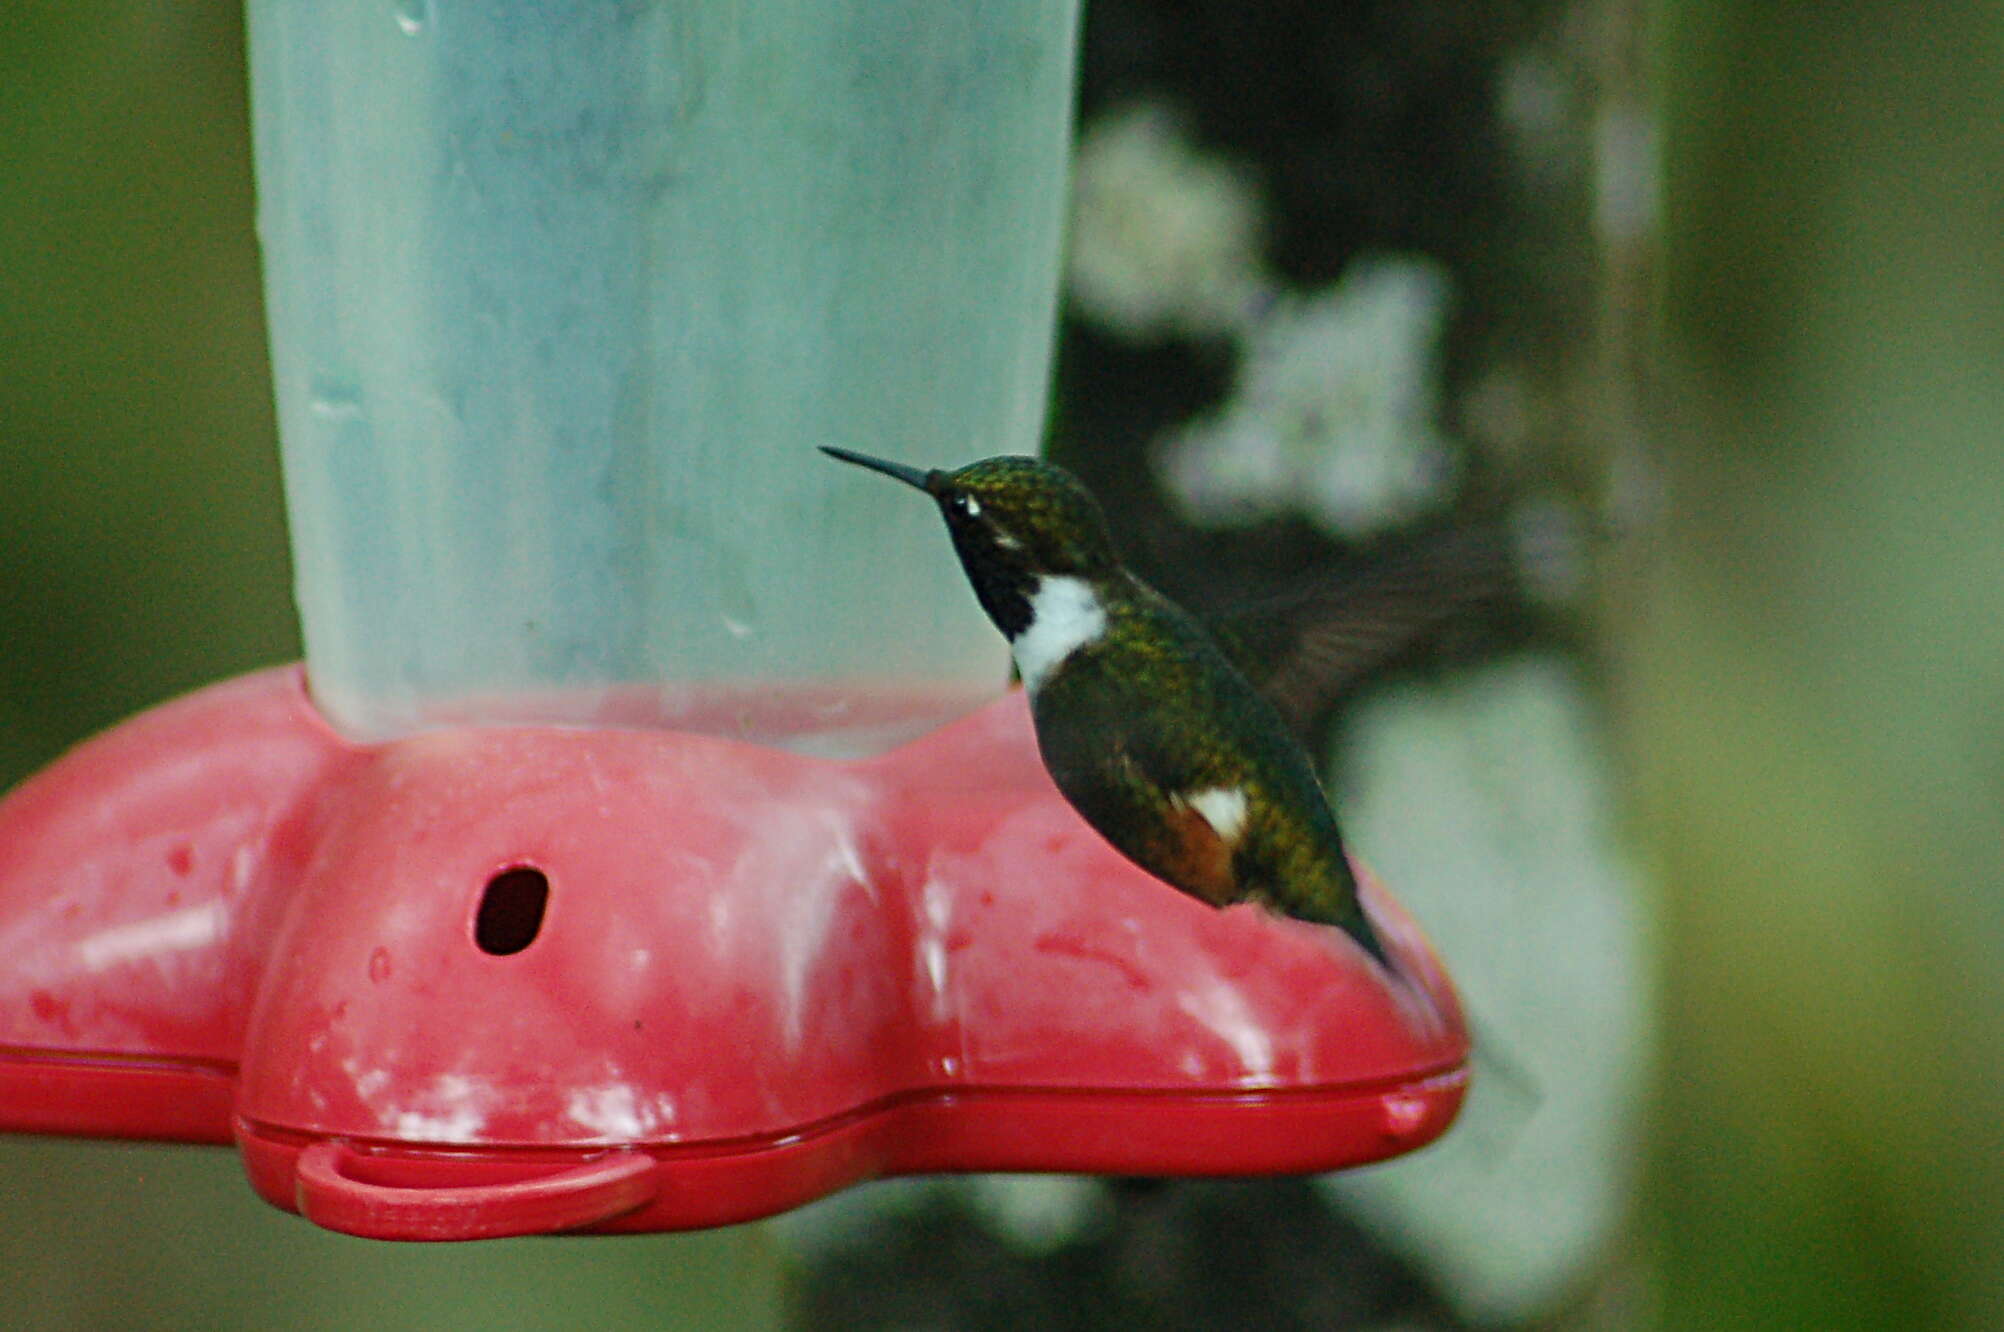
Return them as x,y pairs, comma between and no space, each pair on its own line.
966,505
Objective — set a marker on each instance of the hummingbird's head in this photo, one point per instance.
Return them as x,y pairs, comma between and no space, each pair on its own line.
1015,522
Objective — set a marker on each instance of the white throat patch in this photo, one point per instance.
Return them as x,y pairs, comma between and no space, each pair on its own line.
1064,617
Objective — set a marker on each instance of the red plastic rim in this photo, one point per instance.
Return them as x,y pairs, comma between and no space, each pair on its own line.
388,1190
393,1197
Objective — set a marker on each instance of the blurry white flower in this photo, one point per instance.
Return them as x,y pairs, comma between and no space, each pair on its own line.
1165,241
1626,187
1540,108
1334,412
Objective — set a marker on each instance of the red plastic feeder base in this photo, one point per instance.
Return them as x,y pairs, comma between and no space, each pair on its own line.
505,981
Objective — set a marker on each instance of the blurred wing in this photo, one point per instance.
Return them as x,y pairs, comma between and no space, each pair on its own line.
1306,650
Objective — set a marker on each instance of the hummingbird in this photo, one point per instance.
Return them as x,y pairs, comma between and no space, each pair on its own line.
1149,723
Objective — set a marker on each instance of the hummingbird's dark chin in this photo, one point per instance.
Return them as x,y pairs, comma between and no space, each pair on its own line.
1002,586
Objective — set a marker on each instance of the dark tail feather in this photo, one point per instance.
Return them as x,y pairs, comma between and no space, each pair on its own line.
1358,926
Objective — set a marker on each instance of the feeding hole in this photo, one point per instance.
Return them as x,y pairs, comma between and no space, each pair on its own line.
511,910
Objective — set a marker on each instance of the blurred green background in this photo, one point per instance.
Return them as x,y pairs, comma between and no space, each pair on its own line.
1804,658
1813,673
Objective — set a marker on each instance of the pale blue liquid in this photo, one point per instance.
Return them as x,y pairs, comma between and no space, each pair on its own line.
562,296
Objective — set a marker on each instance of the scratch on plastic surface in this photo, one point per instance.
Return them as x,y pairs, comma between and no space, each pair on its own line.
937,902
1222,1009
454,1111
173,932
810,914
616,1113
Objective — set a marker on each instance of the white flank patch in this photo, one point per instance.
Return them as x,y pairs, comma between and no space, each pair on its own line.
1064,617
1223,807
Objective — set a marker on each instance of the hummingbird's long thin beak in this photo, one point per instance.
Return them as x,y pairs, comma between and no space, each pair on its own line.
911,476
